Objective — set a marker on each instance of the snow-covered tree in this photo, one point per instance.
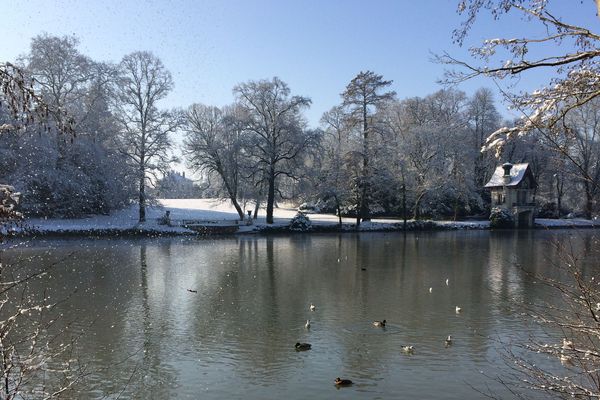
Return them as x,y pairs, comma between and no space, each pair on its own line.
484,119
144,129
30,335
74,174
581,130
361,98
276,129
566,51
333,181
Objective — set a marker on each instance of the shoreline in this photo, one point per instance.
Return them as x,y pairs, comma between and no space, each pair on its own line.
279,228
217,218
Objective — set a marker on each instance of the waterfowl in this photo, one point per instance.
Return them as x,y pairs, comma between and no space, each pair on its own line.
567,344
408,349
303,346
312,307
449,340
192,291
458,309
565,359
447,281
307,325
342,382
379,324
430,289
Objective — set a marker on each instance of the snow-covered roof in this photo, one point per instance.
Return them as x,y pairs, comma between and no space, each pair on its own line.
517,173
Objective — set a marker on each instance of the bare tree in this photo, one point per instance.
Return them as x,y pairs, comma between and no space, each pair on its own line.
144,129
23,104
484,120
581,129
214,145
277,131
361,97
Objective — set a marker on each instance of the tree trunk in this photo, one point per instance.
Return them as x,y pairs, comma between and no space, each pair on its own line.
364,195
339,211
256,208
589,201
417,208
358,208
271,196
142,197
404,206
558,198
232,195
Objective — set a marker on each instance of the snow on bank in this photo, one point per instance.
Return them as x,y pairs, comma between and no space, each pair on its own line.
567,223
221,212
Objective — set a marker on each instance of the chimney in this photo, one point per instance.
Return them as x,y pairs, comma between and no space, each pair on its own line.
506,177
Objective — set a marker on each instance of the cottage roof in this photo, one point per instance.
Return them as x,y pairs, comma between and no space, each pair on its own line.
517,173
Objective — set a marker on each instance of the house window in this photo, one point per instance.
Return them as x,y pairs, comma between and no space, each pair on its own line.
499,198
522,197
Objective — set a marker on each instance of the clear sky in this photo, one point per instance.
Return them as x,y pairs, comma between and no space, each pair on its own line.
316,46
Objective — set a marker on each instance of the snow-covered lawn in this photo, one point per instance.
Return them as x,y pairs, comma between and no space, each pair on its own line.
221,211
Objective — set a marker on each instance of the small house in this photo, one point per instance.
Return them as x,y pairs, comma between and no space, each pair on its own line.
512,187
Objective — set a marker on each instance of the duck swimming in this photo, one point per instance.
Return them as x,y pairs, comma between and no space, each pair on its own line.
458,309
307,325
302,346
408,349
449,340
342,382
312,307
379,324
567,344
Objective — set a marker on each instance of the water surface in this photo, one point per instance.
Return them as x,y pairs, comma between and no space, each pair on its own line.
145,334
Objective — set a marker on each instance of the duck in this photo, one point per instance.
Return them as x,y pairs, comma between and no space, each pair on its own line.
567,344
430,289
449,341
192,291
307,325
565,359
379,324
342,382
447,281
458,309
312,307
302,346
408,349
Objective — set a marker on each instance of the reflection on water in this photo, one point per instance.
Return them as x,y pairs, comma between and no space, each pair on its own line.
218,318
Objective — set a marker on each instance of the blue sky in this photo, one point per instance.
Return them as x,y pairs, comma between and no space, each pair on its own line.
316,46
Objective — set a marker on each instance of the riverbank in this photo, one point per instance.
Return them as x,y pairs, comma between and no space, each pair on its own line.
216,213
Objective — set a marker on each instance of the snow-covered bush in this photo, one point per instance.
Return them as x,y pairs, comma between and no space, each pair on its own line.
308,207
501,218
300,223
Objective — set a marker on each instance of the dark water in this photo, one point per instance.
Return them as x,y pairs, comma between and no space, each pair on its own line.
144,335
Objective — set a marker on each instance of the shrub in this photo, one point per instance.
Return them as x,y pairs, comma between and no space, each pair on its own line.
300,223
501,218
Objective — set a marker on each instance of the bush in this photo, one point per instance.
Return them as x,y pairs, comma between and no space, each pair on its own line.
501,218
300,223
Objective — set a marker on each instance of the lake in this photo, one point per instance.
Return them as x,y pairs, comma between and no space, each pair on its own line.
218,318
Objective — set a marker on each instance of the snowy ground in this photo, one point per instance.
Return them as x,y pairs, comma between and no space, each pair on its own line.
221,212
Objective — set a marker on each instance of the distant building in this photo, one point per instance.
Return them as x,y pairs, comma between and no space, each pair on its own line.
512,188
175,185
